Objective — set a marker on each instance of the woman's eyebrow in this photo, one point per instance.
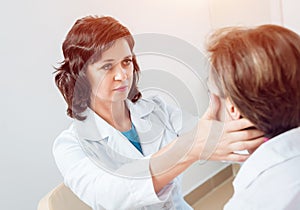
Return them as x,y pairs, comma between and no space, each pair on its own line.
108,60
111,59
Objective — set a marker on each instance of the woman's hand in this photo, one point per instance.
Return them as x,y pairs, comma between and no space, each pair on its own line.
223,139
209,140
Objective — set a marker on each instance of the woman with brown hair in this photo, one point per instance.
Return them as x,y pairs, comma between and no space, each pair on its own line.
256,74
123,151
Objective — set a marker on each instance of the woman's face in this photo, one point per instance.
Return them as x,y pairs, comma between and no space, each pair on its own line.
111,77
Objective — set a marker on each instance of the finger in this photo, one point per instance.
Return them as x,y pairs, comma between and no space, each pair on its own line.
250,145
236,157
244,135
213,108
239,124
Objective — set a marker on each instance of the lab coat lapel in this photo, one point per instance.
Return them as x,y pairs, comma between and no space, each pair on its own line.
95,129
88,129
120,147
149,126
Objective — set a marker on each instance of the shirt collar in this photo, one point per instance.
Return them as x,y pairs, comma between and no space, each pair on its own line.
277,150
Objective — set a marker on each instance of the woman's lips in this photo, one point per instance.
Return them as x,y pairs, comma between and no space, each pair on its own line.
121,88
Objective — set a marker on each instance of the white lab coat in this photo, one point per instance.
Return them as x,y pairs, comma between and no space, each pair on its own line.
107,172
270,178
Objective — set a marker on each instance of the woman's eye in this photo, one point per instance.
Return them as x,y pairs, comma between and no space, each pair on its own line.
107,66
127,61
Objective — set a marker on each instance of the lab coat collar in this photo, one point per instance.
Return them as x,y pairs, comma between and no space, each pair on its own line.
141,108
94,128
275,151
88,128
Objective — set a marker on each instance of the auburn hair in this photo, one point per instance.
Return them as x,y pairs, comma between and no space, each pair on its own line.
259,70
88,38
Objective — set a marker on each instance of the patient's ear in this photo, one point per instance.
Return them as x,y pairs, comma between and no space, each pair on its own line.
232,110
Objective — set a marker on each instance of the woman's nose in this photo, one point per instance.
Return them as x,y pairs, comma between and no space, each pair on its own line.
121,73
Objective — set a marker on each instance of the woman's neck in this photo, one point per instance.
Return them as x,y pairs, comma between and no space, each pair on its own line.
114,113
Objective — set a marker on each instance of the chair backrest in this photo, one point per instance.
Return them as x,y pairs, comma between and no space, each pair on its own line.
62,198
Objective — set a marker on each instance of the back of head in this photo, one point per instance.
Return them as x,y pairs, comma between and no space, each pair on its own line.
259,70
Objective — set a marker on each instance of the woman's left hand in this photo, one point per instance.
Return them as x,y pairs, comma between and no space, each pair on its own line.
225,138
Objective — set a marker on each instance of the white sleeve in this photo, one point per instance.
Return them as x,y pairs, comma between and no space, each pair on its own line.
102,189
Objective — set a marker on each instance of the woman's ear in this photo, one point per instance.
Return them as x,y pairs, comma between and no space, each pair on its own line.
233,112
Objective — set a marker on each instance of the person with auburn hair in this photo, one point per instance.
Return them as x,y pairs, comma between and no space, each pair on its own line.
256,74
123,151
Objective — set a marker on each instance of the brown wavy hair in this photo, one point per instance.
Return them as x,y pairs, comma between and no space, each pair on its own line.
259,70
84,44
